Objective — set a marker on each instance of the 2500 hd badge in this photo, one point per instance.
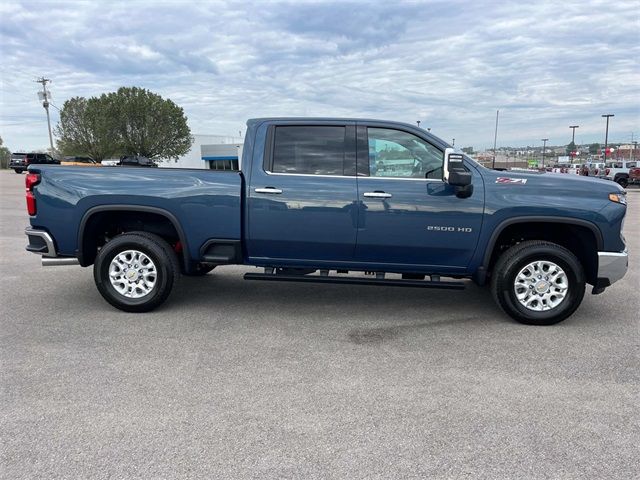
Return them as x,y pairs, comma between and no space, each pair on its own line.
438,228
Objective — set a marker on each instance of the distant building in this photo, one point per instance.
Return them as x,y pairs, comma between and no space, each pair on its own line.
215,152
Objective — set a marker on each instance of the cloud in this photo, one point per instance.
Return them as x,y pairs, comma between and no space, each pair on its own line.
449,64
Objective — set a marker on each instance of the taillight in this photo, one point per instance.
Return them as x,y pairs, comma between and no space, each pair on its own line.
31,180
596,171
606,172
27,161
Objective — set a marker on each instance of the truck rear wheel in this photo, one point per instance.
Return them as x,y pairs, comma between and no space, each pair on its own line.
136,272
538,282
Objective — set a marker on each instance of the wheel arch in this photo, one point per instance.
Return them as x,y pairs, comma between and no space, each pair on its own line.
522,223
85,258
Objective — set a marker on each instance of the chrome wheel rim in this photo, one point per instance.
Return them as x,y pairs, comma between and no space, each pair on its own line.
541,286
132,274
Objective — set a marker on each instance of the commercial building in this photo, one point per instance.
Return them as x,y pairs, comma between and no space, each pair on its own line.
215,152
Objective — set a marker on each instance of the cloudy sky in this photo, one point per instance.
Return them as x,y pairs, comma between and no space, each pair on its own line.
449,64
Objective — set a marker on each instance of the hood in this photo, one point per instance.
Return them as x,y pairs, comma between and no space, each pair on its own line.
561,182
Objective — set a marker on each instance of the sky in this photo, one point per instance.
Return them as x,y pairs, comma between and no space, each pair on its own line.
449,64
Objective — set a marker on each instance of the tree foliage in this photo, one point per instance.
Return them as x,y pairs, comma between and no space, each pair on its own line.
593,148
131,121
86,128
571,147
5,155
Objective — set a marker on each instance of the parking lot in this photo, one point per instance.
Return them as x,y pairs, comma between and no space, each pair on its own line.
235,379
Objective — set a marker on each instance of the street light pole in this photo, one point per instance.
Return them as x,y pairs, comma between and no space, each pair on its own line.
606,135
573,135
495,139
544,148
418,122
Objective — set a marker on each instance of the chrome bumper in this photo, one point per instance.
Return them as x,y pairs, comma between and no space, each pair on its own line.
40,242
612,265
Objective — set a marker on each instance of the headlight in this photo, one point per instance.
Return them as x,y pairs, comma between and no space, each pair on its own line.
618,198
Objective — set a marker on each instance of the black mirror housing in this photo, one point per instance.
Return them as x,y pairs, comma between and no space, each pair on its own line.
459,178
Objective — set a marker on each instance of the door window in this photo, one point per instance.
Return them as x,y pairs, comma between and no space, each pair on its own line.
310,150
398,154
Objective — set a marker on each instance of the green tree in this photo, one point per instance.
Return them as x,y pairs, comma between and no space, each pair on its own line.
147,124
87,128
571,148
131,121
468,150
593,148
5,155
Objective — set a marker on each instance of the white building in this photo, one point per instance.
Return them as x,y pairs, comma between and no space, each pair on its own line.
216,152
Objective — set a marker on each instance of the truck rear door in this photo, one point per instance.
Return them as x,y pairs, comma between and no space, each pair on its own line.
302,199
409,215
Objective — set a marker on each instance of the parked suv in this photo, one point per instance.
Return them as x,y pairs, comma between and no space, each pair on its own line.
20,161
618,171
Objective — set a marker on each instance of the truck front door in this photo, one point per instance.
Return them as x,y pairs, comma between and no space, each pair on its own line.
409,216
302,199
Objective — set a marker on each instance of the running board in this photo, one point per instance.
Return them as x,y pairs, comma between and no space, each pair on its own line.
354,280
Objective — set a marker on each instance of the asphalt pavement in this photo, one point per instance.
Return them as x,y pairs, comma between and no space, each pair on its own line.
233,379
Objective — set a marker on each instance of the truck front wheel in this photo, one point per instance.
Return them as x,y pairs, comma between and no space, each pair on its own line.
136,272
538,282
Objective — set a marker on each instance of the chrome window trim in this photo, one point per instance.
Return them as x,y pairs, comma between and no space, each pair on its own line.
308,175
353,176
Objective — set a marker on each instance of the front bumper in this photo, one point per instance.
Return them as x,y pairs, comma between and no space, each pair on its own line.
612,266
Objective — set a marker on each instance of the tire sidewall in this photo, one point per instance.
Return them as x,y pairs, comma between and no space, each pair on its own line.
101,274
575,278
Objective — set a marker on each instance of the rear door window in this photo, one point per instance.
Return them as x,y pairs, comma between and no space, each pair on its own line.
309,150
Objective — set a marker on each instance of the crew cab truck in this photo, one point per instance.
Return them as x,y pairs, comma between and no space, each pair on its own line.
318,198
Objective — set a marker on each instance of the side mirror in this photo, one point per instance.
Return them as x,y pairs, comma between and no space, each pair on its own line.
456,175
454,172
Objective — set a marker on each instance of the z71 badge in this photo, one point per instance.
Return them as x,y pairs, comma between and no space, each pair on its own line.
520,181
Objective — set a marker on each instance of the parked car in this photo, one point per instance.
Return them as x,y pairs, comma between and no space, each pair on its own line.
320,195
80,161
136,161
618,171
20,161
634,176
110,162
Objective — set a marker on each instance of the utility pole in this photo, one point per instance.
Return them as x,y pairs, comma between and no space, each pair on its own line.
495,139
606,135
544,148
418,122
45,104
453,142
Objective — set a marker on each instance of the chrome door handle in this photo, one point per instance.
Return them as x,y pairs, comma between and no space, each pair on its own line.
268,190
377,195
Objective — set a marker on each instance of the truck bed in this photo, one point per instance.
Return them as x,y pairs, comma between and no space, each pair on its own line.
206,202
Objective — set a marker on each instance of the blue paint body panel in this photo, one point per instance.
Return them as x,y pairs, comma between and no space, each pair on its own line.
325,221
207,203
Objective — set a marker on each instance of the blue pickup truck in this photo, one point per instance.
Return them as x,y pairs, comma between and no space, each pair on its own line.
336,201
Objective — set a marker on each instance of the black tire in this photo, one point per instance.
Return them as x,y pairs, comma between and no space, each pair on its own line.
17,171
158,251
515,259
622,181
198,270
